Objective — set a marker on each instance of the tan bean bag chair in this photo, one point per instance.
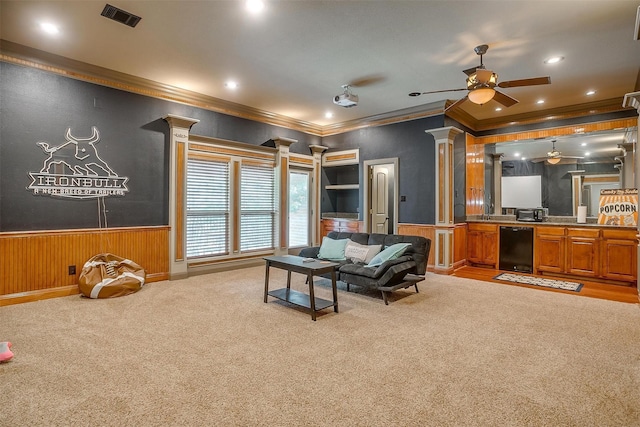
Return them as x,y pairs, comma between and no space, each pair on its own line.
108,276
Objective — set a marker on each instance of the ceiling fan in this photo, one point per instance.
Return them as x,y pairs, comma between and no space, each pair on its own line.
554,156
482,83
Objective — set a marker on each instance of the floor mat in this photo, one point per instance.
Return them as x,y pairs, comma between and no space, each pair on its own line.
539,281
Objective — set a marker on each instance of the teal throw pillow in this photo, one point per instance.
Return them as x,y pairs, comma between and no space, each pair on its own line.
392,252
332,249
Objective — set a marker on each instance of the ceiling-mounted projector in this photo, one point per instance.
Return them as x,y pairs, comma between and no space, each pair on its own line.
346,99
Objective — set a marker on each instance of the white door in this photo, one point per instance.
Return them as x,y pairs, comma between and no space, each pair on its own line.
380,198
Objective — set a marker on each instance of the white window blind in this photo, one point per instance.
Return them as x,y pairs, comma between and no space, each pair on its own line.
257,207
207,208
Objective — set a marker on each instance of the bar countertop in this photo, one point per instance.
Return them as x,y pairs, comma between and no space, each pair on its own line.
561,221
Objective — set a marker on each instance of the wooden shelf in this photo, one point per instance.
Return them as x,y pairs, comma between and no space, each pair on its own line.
300,299
342,187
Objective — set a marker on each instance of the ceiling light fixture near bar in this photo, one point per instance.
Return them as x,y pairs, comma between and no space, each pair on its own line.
49,28
120,16
254,6
553,60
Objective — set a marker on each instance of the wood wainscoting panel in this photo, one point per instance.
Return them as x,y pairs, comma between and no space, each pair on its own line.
424,230
39,261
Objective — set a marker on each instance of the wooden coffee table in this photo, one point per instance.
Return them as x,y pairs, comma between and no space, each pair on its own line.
296,264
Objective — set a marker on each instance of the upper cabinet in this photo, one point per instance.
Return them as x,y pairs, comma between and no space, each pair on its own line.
475,176
341,158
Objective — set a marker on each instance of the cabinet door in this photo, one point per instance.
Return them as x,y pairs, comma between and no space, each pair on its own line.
327,225
582,256
490,248
474,247
619,260
550,249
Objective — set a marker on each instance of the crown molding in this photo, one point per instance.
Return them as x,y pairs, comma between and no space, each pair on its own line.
29,57
397,116
561,113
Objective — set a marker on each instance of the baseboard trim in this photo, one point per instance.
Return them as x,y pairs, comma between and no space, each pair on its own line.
60,291
41,294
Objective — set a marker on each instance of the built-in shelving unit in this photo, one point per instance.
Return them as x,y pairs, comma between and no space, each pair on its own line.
341,170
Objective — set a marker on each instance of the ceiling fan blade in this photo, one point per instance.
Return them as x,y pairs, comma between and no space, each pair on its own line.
367,80
435,91
455,104
526,82
470,71
505,100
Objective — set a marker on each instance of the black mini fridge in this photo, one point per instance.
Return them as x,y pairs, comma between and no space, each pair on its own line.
516,249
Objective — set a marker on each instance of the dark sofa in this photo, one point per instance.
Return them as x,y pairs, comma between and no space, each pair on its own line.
402,272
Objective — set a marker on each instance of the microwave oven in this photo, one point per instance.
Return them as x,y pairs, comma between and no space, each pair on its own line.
530,215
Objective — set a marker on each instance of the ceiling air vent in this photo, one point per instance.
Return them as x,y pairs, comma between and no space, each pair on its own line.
120,15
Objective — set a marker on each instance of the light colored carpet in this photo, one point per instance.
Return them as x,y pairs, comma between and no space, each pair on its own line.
208,351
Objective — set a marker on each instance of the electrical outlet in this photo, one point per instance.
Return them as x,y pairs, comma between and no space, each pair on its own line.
72,270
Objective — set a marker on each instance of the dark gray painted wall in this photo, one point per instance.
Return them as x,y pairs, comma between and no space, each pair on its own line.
39,106
415,150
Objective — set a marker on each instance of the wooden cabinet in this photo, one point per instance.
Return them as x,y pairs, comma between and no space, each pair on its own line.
583,252
598,253
619,255
482,244
549,249
475,176
345,225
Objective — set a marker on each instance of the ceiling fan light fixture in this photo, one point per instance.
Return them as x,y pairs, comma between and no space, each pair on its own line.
553,160
481,95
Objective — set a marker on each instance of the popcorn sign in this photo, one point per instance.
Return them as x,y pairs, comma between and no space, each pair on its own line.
618,207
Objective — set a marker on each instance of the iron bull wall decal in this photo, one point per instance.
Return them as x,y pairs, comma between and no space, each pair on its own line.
74,170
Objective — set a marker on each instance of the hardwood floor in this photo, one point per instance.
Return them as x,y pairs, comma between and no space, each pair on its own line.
628,294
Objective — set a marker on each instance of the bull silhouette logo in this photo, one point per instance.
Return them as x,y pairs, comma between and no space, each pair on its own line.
74,169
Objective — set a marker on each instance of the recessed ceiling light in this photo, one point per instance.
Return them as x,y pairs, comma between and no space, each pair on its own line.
254,6
540,101
584,144
591,92
498,108
328,114
524,158
49,28
553,59
587,153
231,84
516,154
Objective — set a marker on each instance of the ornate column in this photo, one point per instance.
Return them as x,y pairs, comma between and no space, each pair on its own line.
316,152
282,186
179,128
633,100
443,244
576,190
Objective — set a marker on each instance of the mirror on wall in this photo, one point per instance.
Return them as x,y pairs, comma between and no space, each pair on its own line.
572,168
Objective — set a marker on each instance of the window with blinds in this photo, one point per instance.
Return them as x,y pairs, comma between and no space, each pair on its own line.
257,207
207,208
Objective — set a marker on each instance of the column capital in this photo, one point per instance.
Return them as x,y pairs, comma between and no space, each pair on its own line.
317,149
632,100
447,133
179,121
283,142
